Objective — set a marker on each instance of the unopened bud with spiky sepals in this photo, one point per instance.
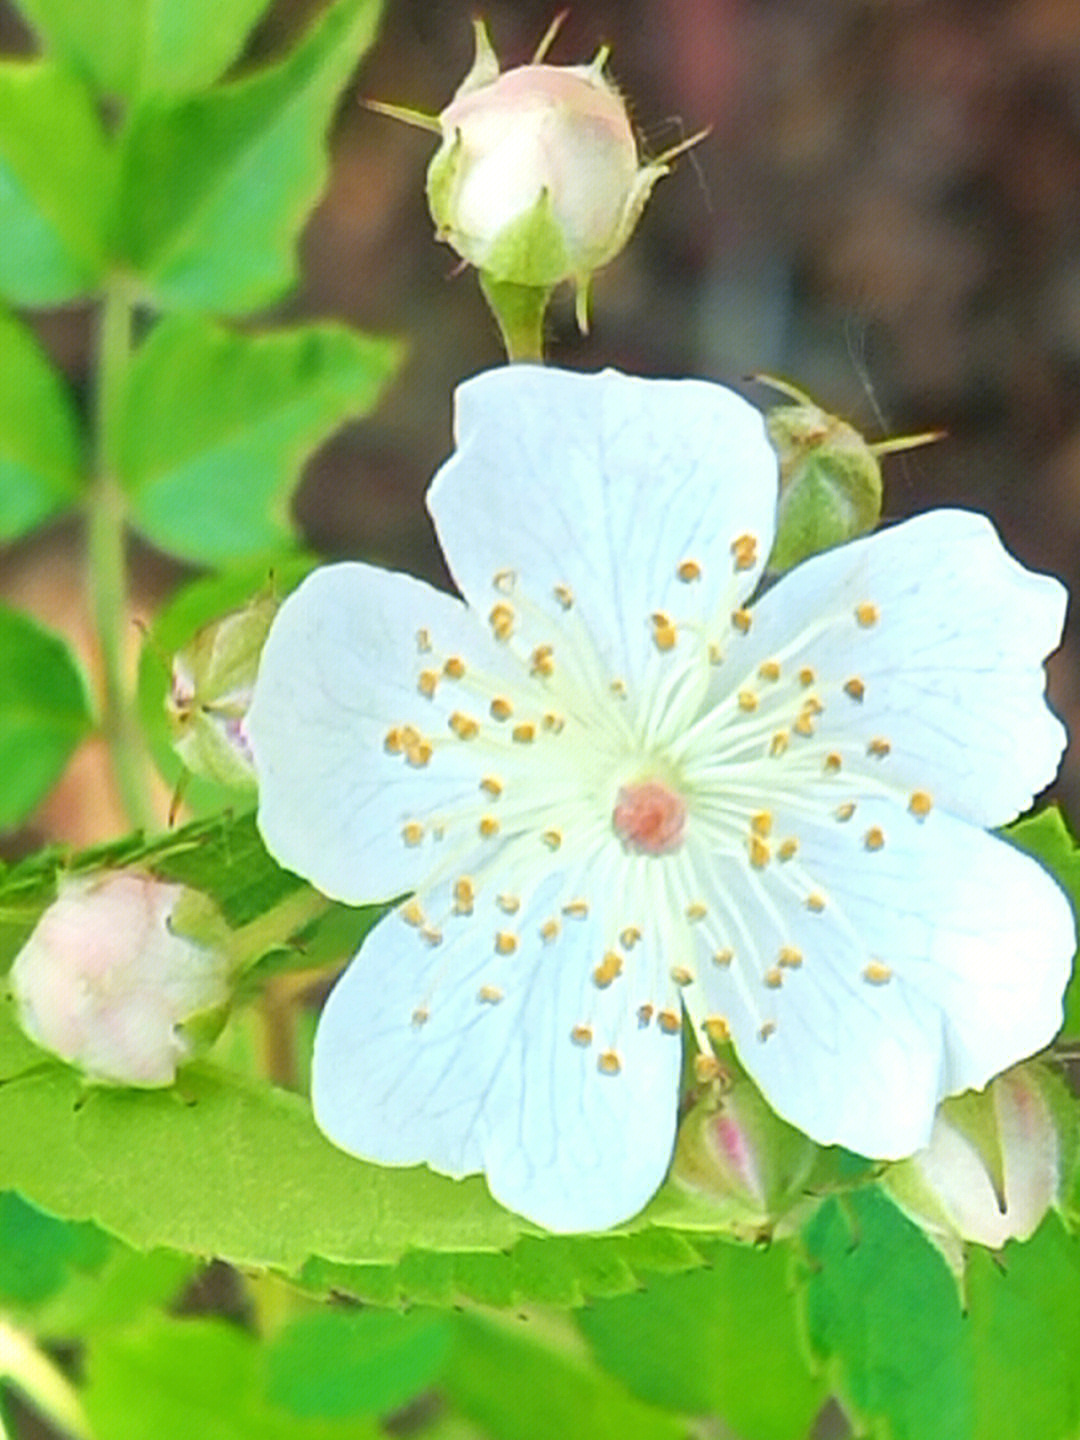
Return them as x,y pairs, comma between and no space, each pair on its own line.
213,677
994,1165
830,477
537,181
125,977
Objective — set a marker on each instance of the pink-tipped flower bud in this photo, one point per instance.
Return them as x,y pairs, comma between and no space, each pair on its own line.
538,178
993,1167
113,980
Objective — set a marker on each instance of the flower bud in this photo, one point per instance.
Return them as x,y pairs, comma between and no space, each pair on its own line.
993,1166
537,179
735,1153
118,978
212,681
830,478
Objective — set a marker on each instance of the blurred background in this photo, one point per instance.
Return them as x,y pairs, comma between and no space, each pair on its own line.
886,211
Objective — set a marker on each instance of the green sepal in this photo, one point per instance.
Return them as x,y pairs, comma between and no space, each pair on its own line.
519,311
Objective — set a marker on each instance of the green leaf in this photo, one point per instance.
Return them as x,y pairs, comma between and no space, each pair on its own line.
521,1383
217,427
179,1379
44,713
216,189
339,1363
40,446
723,1340
1024,1325
883,1313
1047,838
37,1251
55,186
145,47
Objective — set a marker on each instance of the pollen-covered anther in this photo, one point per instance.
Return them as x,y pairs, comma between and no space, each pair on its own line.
920,804
463,726
696,910
874,839
769,1028
670,1021
806,676
717,1029
412,912
681,976
503,581
762,823
608,1063
576,909
769,670
394,741
523,734
706,1068
609,970
844,812
543,661
431,935
412,832
742,620
774,977
748,701
501,619
715,654
491,786
423,641
645,1013
488,826
723,957
855,688
664,632
552,839
464,895
867,614
581,1035
760,854
505,942
878,747
501,708
688,571
788,848
554,724
508,904
815,902
564,595
812,706
875,973
744,551
420,1016
779,743
804,724
549,931
790,957
418,753
649,818
629,937
489,994
618,687
454,667
833,763
426,682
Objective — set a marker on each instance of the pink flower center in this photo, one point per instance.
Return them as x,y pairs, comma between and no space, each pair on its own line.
649,818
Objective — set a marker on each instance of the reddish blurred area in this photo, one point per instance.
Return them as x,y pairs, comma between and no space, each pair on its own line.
886,210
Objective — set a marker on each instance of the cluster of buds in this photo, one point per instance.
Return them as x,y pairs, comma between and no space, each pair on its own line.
125,977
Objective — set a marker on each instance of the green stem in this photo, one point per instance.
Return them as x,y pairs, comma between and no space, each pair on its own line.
520,311
107,564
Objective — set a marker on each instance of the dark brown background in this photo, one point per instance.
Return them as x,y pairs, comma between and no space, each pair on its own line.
887,210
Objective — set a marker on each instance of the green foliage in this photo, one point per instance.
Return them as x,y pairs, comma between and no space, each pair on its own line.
37,1251
144,47
339,1363
176,1379
44,713
40,446
522,1384
1047,837
724,1340
56,180
215,189
217,426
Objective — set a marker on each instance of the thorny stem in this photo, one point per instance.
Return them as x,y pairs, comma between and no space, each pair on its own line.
107,564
